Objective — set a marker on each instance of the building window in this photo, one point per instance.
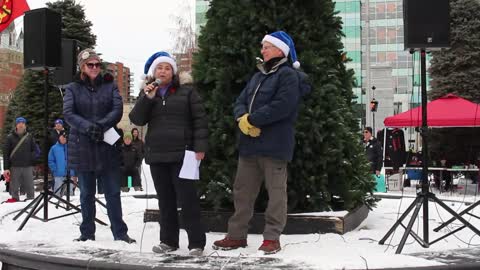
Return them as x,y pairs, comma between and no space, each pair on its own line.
391,35
381,57
355,56
392,7
397,108
391,56
352,7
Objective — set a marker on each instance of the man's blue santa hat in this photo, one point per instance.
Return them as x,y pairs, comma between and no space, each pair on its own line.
154,60
285,43
20,120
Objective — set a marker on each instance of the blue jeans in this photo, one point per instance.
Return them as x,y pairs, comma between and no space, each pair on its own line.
111,187
58,181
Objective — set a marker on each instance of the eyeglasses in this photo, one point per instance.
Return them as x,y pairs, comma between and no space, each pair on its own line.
366,131
267,47
91,65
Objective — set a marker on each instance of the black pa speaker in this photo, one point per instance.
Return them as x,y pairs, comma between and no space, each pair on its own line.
426,24
68,68
42,39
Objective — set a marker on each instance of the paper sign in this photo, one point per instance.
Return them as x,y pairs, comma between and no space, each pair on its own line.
111,136
191,167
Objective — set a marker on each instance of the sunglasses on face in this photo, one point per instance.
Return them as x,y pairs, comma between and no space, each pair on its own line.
92,65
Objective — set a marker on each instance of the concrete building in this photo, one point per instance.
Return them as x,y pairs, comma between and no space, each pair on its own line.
373,40
184,60
123,77
201,7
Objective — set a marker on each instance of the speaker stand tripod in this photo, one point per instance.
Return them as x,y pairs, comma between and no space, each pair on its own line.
424,196
466,211
64,189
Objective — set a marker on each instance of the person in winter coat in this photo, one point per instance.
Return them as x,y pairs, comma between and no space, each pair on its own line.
57,162
2,178
131,161
176,122
373,149
137,142
19,159
266,112
92,105
5,178
55,132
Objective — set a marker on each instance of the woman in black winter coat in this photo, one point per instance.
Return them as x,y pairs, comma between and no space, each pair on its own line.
93,105
176,122
137,142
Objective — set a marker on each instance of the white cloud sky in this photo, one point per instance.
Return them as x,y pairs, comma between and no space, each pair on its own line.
130,31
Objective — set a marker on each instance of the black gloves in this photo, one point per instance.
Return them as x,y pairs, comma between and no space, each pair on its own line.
95,133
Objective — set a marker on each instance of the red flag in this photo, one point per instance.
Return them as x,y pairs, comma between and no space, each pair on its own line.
10,10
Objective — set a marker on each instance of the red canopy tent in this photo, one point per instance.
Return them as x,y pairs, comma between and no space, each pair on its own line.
447,111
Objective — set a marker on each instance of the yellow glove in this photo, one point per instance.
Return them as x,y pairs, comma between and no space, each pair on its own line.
254,132
243,124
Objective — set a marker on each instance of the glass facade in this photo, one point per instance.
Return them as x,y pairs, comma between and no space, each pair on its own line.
352,29
201,7
385,37
386,41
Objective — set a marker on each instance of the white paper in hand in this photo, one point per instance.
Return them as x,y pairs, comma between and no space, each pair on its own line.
111,136
191,167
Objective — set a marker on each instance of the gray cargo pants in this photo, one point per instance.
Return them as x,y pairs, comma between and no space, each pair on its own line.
251,172
21,177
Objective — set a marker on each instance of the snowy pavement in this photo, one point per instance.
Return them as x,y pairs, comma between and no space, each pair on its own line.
358,249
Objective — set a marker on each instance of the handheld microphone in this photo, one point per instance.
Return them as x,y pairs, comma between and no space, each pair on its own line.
156,83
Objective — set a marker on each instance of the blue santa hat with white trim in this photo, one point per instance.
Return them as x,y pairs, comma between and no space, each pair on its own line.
154,60
285,43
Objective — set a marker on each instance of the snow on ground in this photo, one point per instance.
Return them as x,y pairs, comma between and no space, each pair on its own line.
358,249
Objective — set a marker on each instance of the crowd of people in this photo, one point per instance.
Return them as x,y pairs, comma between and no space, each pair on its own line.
169,104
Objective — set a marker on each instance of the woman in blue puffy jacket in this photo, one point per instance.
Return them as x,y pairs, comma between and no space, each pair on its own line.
93,105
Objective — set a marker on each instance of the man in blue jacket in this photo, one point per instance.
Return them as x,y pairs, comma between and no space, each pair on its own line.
266,111
57,162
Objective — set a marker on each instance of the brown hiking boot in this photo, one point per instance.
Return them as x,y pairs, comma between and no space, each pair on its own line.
229,244
270,247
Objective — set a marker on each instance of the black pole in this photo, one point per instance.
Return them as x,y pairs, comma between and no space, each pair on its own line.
68,177
45,144
424,133
373,124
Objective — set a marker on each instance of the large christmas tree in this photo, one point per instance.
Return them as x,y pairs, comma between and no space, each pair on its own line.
329,169
452,70
455,70
27,100
74,23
